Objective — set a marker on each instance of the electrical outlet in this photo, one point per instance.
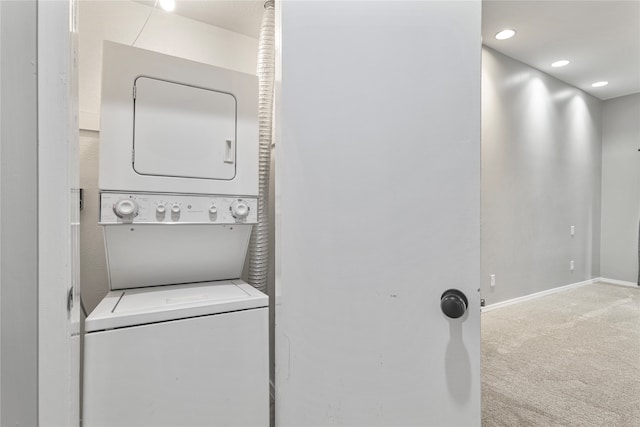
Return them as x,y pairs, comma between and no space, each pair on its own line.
571,265
573,230
493,280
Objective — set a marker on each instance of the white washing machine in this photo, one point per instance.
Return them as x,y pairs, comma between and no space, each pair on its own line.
178,356
179,340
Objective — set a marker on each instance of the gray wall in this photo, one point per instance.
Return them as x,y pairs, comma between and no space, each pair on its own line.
541,169
621,188
18,215
93,265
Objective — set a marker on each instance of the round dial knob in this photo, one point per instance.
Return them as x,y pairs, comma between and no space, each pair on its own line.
175,208
125,208
453,303
161,208
213,210
239,209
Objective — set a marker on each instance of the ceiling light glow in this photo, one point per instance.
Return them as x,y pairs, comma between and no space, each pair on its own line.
168,5
505,34
600,84
560,63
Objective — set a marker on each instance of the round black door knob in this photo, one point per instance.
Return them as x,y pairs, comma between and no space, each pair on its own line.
453,303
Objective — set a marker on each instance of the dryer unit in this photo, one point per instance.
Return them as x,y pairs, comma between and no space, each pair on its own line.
171,125
179,340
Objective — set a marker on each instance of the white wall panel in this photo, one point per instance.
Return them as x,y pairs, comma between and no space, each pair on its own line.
19,214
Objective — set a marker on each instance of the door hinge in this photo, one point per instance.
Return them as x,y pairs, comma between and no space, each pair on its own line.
134,92
133,156
69,300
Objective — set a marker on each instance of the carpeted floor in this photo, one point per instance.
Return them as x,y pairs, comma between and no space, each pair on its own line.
567,359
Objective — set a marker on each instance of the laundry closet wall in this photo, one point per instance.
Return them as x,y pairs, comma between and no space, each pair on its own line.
121,21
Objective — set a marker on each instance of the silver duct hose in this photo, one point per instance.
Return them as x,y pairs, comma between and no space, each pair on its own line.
259,243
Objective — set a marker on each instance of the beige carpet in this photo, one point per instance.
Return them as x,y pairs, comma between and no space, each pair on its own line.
567,359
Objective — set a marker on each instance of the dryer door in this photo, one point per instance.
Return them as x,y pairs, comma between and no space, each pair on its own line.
183,131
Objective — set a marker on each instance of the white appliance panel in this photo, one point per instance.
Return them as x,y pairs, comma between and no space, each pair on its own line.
131,307
183,131
150,255
210,370
165,165
191,209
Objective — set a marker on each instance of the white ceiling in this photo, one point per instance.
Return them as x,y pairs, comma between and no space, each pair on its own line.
600,38
240,16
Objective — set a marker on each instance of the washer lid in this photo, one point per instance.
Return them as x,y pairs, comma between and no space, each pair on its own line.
131,307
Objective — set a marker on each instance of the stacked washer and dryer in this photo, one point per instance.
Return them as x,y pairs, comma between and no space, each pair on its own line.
179,340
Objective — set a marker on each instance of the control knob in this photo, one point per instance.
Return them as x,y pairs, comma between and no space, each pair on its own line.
239,209
161,208
213,210
125,208
175,208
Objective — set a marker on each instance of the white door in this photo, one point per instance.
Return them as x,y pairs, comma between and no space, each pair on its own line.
377,213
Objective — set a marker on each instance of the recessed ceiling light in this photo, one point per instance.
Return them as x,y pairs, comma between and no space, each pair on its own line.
560,63
600,84
168,5
505,34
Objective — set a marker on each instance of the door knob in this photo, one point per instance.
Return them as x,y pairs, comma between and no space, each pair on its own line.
453,303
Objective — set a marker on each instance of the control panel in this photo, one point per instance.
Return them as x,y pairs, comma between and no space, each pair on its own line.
141,208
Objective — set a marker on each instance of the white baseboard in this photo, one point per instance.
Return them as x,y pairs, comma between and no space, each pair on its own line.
617,282
540,294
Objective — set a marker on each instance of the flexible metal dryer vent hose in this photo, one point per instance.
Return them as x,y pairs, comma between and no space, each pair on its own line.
259,243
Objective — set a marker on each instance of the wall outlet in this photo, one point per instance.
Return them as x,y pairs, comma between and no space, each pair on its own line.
571,265
493,280
573,230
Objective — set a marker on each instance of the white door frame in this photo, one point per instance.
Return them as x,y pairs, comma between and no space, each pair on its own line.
39,340
58,213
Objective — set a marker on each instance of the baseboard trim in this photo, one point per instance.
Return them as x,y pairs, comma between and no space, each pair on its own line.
540,294
618,282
